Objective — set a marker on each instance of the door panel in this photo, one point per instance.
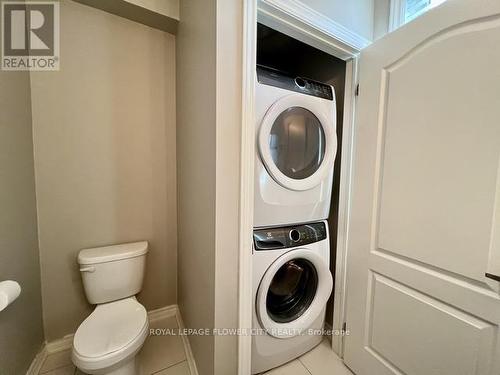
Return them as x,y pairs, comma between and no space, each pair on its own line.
399,312
429,127
425,191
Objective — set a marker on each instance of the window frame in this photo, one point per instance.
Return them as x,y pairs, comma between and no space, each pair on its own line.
398,12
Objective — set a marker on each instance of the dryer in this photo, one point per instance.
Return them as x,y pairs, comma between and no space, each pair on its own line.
296,145
291,286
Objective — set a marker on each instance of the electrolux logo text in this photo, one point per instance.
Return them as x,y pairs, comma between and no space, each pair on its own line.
30,35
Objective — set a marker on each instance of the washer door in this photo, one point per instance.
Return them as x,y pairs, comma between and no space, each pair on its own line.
297,141
293,293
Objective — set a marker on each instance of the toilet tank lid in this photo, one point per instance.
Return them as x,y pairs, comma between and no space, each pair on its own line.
112,253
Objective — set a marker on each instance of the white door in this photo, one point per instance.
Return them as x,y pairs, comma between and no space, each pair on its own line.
426,185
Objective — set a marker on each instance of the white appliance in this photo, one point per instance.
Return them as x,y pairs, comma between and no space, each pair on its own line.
296,146
108,340
291,286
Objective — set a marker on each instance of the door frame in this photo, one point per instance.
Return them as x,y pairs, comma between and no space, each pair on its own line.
305,24
247,149
346,166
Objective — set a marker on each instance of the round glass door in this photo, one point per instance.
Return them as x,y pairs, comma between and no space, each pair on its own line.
292,290
297,143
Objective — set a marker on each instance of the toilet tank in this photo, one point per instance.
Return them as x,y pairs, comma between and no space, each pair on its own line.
113,272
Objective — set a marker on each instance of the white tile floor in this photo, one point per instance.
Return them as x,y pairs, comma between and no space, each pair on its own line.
319,361
164,355
160,355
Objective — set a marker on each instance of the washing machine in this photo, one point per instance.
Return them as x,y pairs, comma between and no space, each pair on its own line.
291,286
296,146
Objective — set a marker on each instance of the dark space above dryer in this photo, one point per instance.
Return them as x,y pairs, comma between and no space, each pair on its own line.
282,52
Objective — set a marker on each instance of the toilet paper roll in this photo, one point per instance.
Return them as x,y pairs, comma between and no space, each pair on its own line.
9,291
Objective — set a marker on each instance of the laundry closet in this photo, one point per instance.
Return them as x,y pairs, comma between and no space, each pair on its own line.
284,53
299,121
413,222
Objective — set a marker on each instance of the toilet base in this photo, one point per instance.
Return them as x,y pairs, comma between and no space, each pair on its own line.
130,367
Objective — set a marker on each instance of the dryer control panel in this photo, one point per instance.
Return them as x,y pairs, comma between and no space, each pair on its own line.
272,77
290,236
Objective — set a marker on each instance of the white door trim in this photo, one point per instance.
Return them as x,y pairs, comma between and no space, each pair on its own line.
300,21
314,34
245,299
346,165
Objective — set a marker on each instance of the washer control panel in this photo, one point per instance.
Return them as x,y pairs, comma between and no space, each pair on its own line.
291,236
271,77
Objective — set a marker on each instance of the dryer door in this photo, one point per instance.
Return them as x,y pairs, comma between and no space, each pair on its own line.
297,141
293,293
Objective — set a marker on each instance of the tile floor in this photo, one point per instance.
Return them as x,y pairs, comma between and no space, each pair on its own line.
319,361
164,355
160,355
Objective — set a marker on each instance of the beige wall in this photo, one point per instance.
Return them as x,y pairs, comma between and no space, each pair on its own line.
356,15
21,333
208,141
104,135
196,137
169,8
159,14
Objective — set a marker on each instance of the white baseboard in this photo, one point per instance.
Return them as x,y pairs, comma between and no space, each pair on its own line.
162,313
60,344
67,341
187,347
37,363
47,349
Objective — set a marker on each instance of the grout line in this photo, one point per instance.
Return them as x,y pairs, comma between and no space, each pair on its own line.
58,368
303,365
175,364
55,368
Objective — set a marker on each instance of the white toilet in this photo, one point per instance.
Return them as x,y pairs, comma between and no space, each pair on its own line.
109,338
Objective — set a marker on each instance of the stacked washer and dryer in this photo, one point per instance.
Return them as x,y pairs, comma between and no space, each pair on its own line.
296,145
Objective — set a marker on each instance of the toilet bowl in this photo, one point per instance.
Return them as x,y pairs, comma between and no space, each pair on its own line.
107,341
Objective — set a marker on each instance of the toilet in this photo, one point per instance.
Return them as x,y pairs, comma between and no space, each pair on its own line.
108,340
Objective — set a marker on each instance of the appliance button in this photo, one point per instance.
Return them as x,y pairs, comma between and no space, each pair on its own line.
300,82
294,235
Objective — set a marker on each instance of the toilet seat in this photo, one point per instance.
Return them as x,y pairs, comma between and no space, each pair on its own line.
111,333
